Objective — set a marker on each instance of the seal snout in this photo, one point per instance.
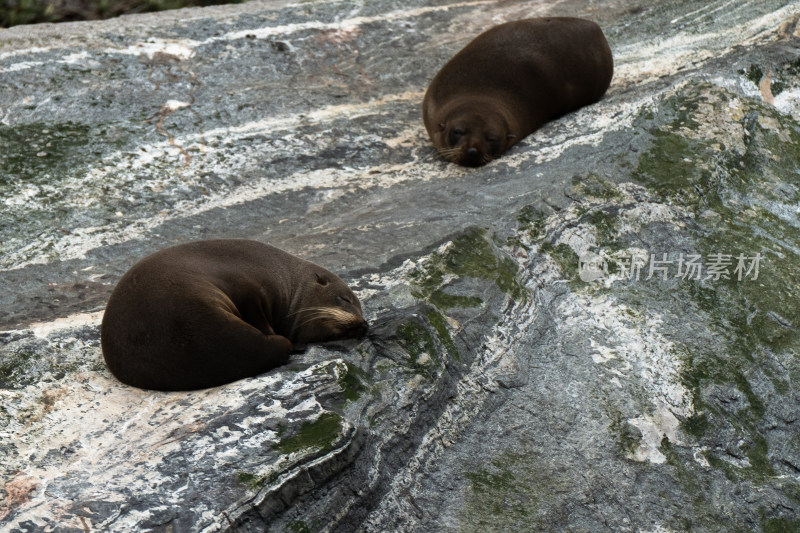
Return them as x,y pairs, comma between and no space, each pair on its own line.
361,329
355,328
472,157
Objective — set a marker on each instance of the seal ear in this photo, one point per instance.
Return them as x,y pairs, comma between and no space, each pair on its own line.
322,281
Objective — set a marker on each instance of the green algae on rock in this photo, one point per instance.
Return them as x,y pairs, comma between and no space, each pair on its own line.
318,435
471,254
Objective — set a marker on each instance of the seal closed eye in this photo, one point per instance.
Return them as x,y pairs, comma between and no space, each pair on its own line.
206,313
509,81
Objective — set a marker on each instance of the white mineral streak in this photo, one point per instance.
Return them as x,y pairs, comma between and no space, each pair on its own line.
43,329
22,65
633,349
184,49
26,51
174,105
118,436
76,58
290,122
654,428
630,348
181,49
705,11
585,127
658,528
699,455
263,33
122,168
789,102
643,61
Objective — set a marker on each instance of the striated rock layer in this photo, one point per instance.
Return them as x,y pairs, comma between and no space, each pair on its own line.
599,331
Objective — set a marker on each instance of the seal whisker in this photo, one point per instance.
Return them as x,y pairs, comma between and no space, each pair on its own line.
304,309
451,154
331,314
447,150
313,319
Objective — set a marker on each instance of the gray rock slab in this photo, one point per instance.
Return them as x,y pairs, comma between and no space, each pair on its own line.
505,385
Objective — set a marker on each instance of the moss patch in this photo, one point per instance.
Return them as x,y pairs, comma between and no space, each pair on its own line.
564,256
696,425
44,166
38,153
442,300
440,325
753,73
628,435
317,435
780,525
351,382
531,227
683,471
299,526
251,481
470,255
594,186
417,341
505,498
513,492
254,482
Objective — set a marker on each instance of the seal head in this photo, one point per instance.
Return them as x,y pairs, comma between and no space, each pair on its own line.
470,138
326,310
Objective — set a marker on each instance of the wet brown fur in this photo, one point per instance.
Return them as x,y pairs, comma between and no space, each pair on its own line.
509,81
206,313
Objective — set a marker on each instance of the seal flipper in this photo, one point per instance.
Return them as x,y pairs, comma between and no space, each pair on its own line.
185,361
249,353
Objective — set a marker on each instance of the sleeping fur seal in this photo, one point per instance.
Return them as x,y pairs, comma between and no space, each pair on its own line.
512,79
206,313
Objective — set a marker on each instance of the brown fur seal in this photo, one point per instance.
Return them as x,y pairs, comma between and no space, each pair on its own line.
512,79
206,313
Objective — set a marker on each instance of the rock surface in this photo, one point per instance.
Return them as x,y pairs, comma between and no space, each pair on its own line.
505,386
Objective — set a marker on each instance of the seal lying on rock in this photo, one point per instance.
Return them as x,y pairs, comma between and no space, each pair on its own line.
512,79
206,313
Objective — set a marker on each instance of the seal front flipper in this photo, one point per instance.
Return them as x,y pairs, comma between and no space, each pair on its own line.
248,353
